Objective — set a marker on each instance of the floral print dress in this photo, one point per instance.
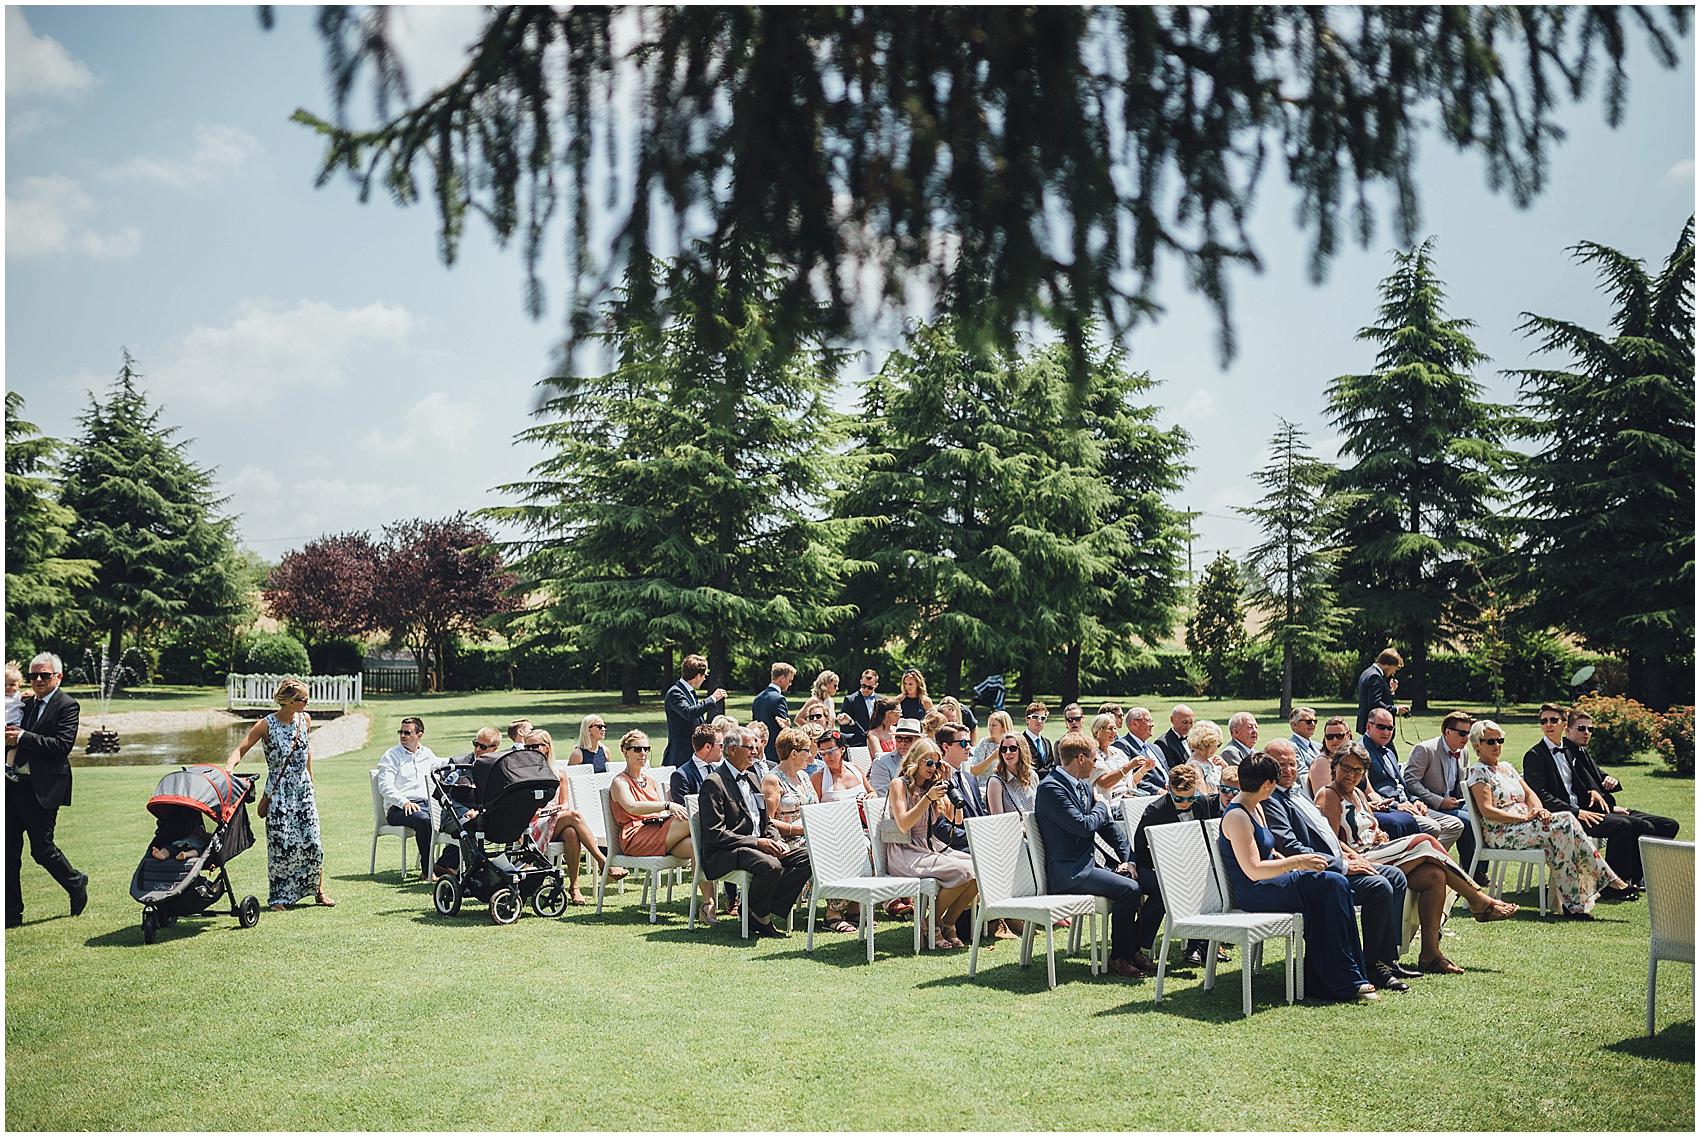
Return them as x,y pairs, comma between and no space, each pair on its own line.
1578,869
295,853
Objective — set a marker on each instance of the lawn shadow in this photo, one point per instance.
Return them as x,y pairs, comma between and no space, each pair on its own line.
131,934
1673,1044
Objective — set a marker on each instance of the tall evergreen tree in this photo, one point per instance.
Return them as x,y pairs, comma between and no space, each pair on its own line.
1216,632
41,585
1293,566
680,507
1606,503
1426,458
146,515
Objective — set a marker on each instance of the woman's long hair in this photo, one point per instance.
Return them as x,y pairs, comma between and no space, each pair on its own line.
584,725
1022,772
923,749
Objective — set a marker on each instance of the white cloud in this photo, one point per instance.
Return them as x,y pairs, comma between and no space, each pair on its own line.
269,349
43,218
1200,406
437,423
215,152
22,122
281,513
432,42
40,65
1680,174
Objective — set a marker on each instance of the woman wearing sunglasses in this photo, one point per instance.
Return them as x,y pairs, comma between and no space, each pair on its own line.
1335,737
650,825
915,800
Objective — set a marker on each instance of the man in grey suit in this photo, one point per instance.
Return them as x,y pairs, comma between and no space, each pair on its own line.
1434,775
1242,732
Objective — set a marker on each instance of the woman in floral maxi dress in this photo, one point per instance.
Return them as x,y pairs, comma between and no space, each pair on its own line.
295,853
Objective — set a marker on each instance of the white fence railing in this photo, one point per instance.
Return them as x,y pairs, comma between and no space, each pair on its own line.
245,692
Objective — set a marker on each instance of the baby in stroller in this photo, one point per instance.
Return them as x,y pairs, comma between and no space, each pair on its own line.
488,805
180,833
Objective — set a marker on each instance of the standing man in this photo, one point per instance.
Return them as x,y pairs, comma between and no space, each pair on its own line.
738,834
685,711
1434,775
1044,757
1173,744
404,784
1376,687
1137,744
1303,722
771,708
38,783
1394,807
860,708
1242,735
1070,816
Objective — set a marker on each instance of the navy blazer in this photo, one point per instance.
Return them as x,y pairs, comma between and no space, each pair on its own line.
685,712
1386,775
1293,833
767,708
1068,826
686,782
1373,692
856,734
44,748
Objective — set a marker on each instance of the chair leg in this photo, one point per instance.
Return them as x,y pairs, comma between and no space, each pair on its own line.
601,885
373,871
1652,987
920,911
1245,983
404,860
1029,931
1050,957
868,926
654,894
744,910
808,943
1289,954
691,920
974,948
1162,964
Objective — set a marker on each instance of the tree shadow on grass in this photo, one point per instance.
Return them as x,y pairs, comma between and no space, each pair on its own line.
1673,1044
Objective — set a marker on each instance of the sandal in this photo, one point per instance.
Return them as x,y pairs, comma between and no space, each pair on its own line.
1439,965
842,927
1495,910
323,900
577,900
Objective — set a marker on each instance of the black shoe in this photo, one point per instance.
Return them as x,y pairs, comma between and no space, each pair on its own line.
14,922
1193,958
1382,976
1619,895
1402,971
767,931
1481,878
79,891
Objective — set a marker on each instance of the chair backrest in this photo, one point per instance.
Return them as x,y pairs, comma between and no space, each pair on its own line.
1133,808
1030,878
860,758
1219,897
1475,820
379,817
836,841
580,770
995,844
875,807
585,792
611,832
1669,868
1183,868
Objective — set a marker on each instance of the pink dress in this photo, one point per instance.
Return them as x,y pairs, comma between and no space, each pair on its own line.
638,837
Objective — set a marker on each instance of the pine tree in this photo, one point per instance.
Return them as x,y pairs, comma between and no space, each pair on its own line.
1293,567
1216,633
1427,457
680,506
145,514
1606,504
41,585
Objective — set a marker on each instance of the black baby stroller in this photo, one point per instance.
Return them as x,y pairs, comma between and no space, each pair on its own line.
488,805
193,876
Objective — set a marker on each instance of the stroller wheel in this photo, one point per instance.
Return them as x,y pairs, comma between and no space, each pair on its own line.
249,911
446,896
506,905
550,900
150,927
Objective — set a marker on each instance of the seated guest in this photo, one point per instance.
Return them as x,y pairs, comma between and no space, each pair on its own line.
1385,785
1185,798
1335,737
1561,771
1303,738
815,712
760,738
1202,741
404,784
1074,716
887,766
649,824
985,756
952,742
1434,776
930,725
1259,881
558,821
592,732
517,730
1043,756
1428,871
687,779
1114,710
916,801
1114,774
787,789
1138,743
1013,784
1242,738
1070,816
881,737
954,710
838,778
738,834
822,691
1173,743
1513,818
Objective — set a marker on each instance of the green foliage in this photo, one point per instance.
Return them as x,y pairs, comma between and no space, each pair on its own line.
1606,508
336,656
1038,156
40,583
1216,633
1426,457
1623,728
272,653
1675,742
145,514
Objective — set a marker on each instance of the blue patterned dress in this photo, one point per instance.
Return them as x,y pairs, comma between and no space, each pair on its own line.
295,854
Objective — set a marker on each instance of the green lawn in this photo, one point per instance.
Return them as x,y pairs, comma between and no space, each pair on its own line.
379,1015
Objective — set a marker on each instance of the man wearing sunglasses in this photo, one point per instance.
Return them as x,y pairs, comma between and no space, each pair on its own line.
1434,775
1044,753
1562,772
42,784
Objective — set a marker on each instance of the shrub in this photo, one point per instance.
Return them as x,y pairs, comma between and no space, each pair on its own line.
273,653
1623,728
1676,740
337,657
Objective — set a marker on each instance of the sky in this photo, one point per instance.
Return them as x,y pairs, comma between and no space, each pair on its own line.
338,376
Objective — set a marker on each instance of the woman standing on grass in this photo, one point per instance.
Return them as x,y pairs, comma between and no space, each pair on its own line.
295,852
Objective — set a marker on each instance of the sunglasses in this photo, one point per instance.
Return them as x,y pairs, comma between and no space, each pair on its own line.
931,762
1381,726
1072,718
1307,722
1460,731
1583,729
42,674
1550,721
403,733
1336,737
1493,742
1038,718
1228,791
962,742
637,750
1345,769
1009,749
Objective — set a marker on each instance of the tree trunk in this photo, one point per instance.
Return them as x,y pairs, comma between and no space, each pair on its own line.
1648,681
1286,678
953,669
1070,690
629,683
1028,679
114,646
1419,675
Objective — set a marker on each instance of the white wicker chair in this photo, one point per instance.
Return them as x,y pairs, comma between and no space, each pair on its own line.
996,845
1186,872
1497,859
1041,884
651,866
860,758
738,877
841,868
875,808
1669,869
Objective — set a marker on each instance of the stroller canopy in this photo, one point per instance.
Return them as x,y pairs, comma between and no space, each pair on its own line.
208,789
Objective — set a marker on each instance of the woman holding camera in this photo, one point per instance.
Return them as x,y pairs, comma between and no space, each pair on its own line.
917,798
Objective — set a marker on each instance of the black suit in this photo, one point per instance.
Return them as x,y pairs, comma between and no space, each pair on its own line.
856,734
1173,747
33,801
1373,692
1622,832
1151,912
684,713
729,834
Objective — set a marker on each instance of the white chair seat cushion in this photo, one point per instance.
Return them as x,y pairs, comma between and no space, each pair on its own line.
877,889
1035,907
1223,925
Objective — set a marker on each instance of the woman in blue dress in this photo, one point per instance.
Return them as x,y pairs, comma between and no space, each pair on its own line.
1260,882
295,854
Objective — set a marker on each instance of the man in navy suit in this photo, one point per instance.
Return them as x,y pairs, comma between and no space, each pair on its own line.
1376,687
1137,743
1044,751
1298,827
1070,815
952,740
685,710
860,708
687,780
770,706
1388,795
38,783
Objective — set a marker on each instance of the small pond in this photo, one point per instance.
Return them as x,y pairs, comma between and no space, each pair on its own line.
201,745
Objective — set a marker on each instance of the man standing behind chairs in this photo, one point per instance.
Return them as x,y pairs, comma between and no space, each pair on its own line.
1070,816
404,785
738,834
39,783
685,711
771,708
860,708
1434,775
1376,687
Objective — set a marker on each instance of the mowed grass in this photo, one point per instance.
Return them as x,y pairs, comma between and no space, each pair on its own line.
379,1015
